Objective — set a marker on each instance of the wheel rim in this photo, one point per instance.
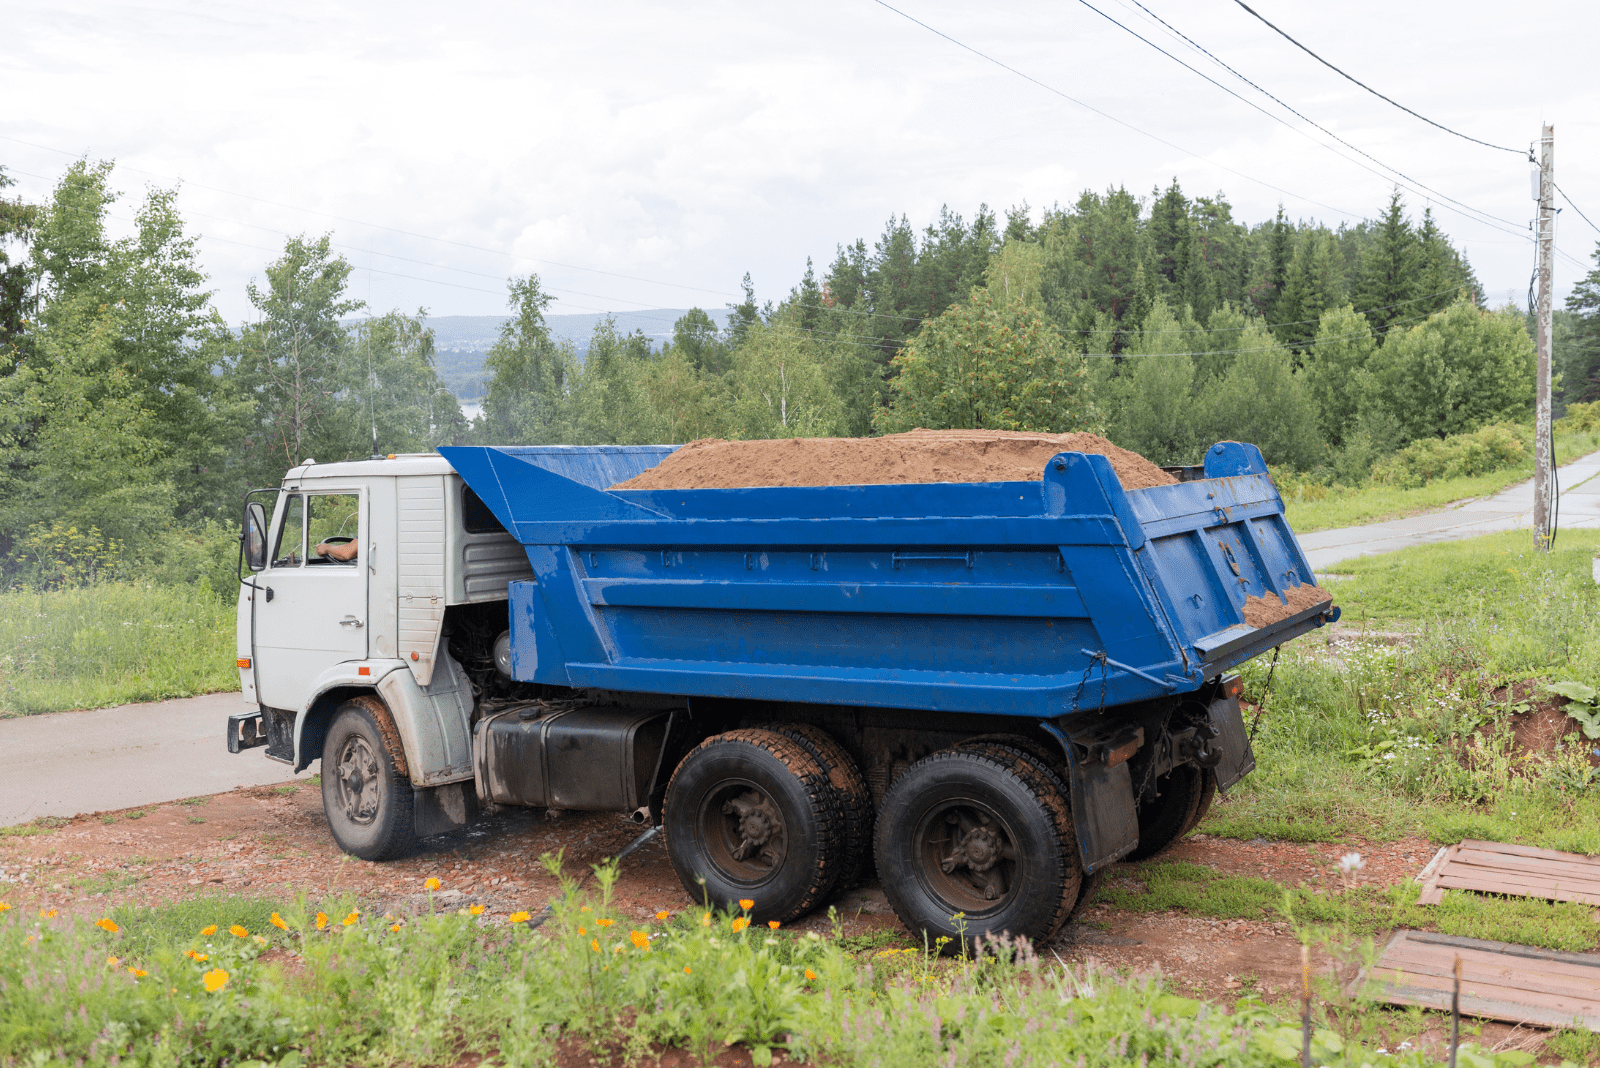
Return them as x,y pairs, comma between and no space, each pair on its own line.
966,858
743,832
357,781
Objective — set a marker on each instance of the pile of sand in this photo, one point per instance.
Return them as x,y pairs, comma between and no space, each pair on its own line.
915,456
1260,611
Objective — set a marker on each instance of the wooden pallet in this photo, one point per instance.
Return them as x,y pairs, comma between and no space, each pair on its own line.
1523,871
1499,981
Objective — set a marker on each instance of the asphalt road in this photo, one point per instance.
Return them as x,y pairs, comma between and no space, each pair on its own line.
67,763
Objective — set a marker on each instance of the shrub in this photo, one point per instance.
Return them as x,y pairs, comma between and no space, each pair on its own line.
1584,418
1492,448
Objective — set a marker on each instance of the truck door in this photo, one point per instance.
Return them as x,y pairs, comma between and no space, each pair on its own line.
312,611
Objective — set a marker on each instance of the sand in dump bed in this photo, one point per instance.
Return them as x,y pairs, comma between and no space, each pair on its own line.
914,456
1260,611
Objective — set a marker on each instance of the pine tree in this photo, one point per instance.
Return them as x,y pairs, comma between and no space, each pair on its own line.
1168,231
1386,281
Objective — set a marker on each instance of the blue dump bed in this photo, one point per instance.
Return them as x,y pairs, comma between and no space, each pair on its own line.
1015,598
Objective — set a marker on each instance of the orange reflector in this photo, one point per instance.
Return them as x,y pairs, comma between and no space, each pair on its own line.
243,661
363,671
413,656
1233,685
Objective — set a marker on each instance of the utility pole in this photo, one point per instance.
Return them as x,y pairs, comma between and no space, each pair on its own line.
1543,461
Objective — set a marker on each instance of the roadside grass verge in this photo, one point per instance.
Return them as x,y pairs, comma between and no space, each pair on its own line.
1313,508
112,644
184,985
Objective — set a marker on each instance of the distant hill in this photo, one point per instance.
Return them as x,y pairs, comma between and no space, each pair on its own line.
462,341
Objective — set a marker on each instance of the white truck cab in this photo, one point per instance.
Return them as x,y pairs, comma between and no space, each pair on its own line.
363,637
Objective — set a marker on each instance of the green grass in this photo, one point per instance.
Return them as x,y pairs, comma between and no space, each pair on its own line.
112,644
1327,508
42,825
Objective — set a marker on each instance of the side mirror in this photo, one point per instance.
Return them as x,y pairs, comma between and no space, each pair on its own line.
254,536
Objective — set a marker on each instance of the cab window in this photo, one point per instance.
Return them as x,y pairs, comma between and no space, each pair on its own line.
333,529
290,548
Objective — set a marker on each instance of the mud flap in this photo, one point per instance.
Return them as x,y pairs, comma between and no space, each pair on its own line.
439,809
1233,741
1103,811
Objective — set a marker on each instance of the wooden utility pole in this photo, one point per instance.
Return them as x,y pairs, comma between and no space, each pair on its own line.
1543,461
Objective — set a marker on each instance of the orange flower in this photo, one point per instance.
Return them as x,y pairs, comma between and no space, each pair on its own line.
604,923
112,962
663,914
48,914
215,980
686,970
476,910
746,903
519,917
3,906
207,932
774,924
431,884
640,939
739,924
594,944
394,927
583,931
811,976
195,955
238,932
322,920
616,948
705,919
106,923
350,920
138,973
277,921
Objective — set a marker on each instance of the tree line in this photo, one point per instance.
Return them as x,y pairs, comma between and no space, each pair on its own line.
132,417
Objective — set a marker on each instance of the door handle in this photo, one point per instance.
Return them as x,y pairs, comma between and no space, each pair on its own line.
351,623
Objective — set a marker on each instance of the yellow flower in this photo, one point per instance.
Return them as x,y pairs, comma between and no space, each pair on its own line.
604,923
48,914
594,944
584,909
774,924
258,940
207,932
4,906
196,955
640,939
431,884
215,980
106,923
616,949
355,914
476,910
394,927
322,920
238,932
686,970
705,919
746,903
663,914
739,924
582,931
277,921
811,976
112,962
519,917
138,973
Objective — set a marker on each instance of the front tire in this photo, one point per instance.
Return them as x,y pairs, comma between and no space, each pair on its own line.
367,801
750,815
982,832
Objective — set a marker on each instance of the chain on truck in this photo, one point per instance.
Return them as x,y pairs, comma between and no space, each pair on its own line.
985,692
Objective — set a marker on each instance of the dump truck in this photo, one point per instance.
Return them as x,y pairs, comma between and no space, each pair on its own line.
986,693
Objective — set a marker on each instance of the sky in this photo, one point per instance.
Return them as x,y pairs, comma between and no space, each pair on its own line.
646,155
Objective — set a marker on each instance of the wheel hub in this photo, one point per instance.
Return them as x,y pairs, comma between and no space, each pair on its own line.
757,826
358,776
980,845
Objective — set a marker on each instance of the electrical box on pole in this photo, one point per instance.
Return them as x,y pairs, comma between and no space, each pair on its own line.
1543,460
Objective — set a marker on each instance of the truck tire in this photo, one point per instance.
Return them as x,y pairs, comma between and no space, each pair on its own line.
1173,812
367,800
1208,794
978,839
852,802
749,815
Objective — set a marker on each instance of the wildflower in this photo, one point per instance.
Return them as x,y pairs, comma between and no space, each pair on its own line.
774,924
811,976
215,980
350,920
431,884
322,920
617,948
196,955
640,939
393,927
106,923
138,973
207,932
277,921
739,924
4,906
258,940
1351,863
238,932
705,919
585,908
663,914
476,910
686,970
746,903
48,914
603,923
519,917
594,944
112,962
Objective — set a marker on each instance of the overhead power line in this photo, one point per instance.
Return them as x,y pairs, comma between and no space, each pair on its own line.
1371,90
1575,208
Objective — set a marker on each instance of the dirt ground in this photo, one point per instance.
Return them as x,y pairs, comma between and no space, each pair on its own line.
274,842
